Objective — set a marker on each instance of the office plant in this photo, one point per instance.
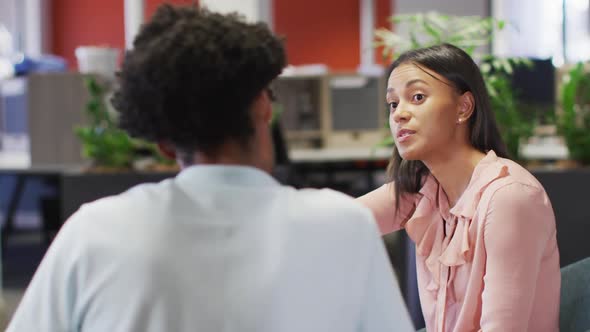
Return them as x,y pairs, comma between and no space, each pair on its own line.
102,142
107,146
573,121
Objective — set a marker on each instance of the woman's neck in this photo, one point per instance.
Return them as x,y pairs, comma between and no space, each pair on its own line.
454,171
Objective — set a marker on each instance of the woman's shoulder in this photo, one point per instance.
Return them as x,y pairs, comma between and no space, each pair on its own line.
516,201
505,182
516,176
517,188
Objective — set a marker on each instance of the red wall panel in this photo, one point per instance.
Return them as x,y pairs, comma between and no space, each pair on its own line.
317,31
324,31
88,22
152,5
85,22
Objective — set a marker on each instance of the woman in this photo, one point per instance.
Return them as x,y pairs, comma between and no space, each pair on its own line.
484,228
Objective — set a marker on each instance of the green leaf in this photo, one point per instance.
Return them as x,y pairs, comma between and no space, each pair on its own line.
433,32
414,40
485,68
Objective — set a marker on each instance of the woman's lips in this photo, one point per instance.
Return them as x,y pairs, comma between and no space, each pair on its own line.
404,134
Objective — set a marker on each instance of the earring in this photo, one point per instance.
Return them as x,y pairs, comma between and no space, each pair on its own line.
460,120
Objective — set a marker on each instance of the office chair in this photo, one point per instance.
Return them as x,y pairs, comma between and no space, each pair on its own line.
574,310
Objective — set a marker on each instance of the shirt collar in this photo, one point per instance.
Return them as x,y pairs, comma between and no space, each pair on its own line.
487,170
225,175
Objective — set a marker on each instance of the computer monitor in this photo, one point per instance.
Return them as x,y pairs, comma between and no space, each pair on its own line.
535,85
332,110
302,104
357,110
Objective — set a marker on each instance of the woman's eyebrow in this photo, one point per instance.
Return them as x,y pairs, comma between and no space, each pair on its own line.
409,83
415,81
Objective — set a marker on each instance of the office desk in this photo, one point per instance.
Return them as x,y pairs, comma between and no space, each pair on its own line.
73,186
331,162
566,188
51,174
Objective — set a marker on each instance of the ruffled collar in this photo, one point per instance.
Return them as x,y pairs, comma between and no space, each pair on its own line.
489,169
427,229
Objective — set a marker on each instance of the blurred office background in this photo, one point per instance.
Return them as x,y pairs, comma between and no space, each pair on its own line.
331,124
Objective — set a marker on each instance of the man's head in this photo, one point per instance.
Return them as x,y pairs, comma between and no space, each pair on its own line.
196,83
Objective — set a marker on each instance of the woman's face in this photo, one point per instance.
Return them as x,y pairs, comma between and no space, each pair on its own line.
424,113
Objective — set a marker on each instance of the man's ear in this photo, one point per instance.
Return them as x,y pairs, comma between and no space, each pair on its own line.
262,107
167,150
466,107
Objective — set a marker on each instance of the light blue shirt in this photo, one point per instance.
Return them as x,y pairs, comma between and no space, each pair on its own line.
218,248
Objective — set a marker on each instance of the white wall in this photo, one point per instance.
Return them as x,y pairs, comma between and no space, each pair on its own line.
451,7
134,16
36,27
28,22
7,14
253,10
8,20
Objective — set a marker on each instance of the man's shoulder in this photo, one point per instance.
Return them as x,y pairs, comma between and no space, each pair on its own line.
138,199
327,198
329,204
325,193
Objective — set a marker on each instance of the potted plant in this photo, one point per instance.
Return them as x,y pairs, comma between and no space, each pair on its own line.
108,147
472,34
573,122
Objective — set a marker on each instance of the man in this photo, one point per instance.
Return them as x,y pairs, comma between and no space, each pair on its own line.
223,246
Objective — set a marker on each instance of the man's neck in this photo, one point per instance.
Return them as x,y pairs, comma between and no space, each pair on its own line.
228,154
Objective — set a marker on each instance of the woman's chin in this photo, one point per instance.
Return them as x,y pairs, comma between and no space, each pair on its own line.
409,154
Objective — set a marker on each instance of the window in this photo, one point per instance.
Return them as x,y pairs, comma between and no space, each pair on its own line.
544,29
533,29
577,30
27,22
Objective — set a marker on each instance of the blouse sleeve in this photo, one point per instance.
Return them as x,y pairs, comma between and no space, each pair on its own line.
518,225
381,202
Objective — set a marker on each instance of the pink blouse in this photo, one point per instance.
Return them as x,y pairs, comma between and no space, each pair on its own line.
491,262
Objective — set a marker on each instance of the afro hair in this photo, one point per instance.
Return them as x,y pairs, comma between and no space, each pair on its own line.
192,76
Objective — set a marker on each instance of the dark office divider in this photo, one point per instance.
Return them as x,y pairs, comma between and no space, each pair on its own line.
568,191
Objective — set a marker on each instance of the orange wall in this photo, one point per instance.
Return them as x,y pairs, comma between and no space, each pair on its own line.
85,22
152,5
90,22
317,31
324,31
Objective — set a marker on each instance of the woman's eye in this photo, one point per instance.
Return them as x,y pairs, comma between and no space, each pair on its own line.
392,105
418,97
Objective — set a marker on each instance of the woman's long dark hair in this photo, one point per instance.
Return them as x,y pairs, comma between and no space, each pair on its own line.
460,70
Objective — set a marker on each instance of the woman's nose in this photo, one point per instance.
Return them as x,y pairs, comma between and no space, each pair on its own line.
400,114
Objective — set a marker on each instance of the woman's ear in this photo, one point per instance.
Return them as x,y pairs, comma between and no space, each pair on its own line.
167,150
466,107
